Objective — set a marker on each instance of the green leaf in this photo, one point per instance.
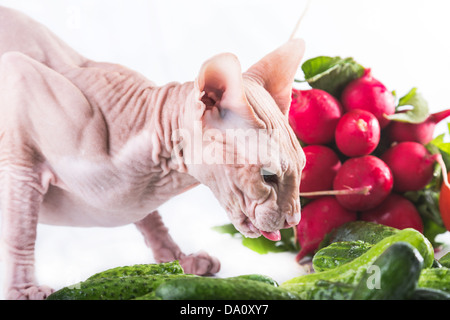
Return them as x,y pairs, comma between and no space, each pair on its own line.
439,142
226,229
331,74
318,65
445,260
427,203
431,230
262,245
418,111
443,147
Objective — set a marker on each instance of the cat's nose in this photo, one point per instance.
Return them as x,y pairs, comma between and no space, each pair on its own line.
292,219
293,215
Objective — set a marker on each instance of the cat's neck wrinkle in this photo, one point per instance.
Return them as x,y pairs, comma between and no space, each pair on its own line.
169,104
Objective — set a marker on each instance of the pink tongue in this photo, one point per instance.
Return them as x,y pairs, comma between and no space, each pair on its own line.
274,236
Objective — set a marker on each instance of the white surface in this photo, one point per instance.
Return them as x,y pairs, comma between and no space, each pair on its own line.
404,42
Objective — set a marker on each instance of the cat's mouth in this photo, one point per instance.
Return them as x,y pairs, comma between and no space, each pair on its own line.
270,235
274,235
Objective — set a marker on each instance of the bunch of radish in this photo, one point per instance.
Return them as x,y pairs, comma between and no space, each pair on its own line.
361,155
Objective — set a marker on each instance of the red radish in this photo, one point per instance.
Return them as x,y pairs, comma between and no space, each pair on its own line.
396,211
313,115
356,173
418,132
411,164
357,133
319,217
321,166
369,94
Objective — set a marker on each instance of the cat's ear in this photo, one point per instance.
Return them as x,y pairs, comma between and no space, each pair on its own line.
220,84
276,71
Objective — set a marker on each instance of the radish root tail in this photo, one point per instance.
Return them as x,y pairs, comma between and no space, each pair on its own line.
362,190
441,163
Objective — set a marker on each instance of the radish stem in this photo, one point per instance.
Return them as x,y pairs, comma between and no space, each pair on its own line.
441,162
362,190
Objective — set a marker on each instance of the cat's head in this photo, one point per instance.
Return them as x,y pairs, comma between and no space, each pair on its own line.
242,146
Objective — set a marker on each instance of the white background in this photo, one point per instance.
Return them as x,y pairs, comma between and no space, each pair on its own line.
405,43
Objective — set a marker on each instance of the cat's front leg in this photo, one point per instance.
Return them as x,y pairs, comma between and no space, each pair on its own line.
22,195
164,249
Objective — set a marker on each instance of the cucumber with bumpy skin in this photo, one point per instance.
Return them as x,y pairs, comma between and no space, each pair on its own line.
435,278
429,294
114,288
445,260
326,290
173,267
392,276
253,277
202,288
352,272
257,277
368,232
338,253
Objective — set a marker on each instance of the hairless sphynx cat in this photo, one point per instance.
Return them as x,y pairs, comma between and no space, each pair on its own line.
86,143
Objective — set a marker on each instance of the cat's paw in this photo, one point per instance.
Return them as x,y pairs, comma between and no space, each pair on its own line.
29,293
200,263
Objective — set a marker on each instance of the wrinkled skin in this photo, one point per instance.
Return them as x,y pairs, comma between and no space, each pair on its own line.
86,143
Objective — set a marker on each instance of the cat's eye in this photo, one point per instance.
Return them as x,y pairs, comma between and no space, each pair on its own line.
269,177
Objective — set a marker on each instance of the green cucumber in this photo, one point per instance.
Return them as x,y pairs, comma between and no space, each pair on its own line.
147,296
445,260
115,288
353,271
173,267
435,278
392,276
257,277
369,232
253,277
203,288
326,290
436,264
338,253
429,294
